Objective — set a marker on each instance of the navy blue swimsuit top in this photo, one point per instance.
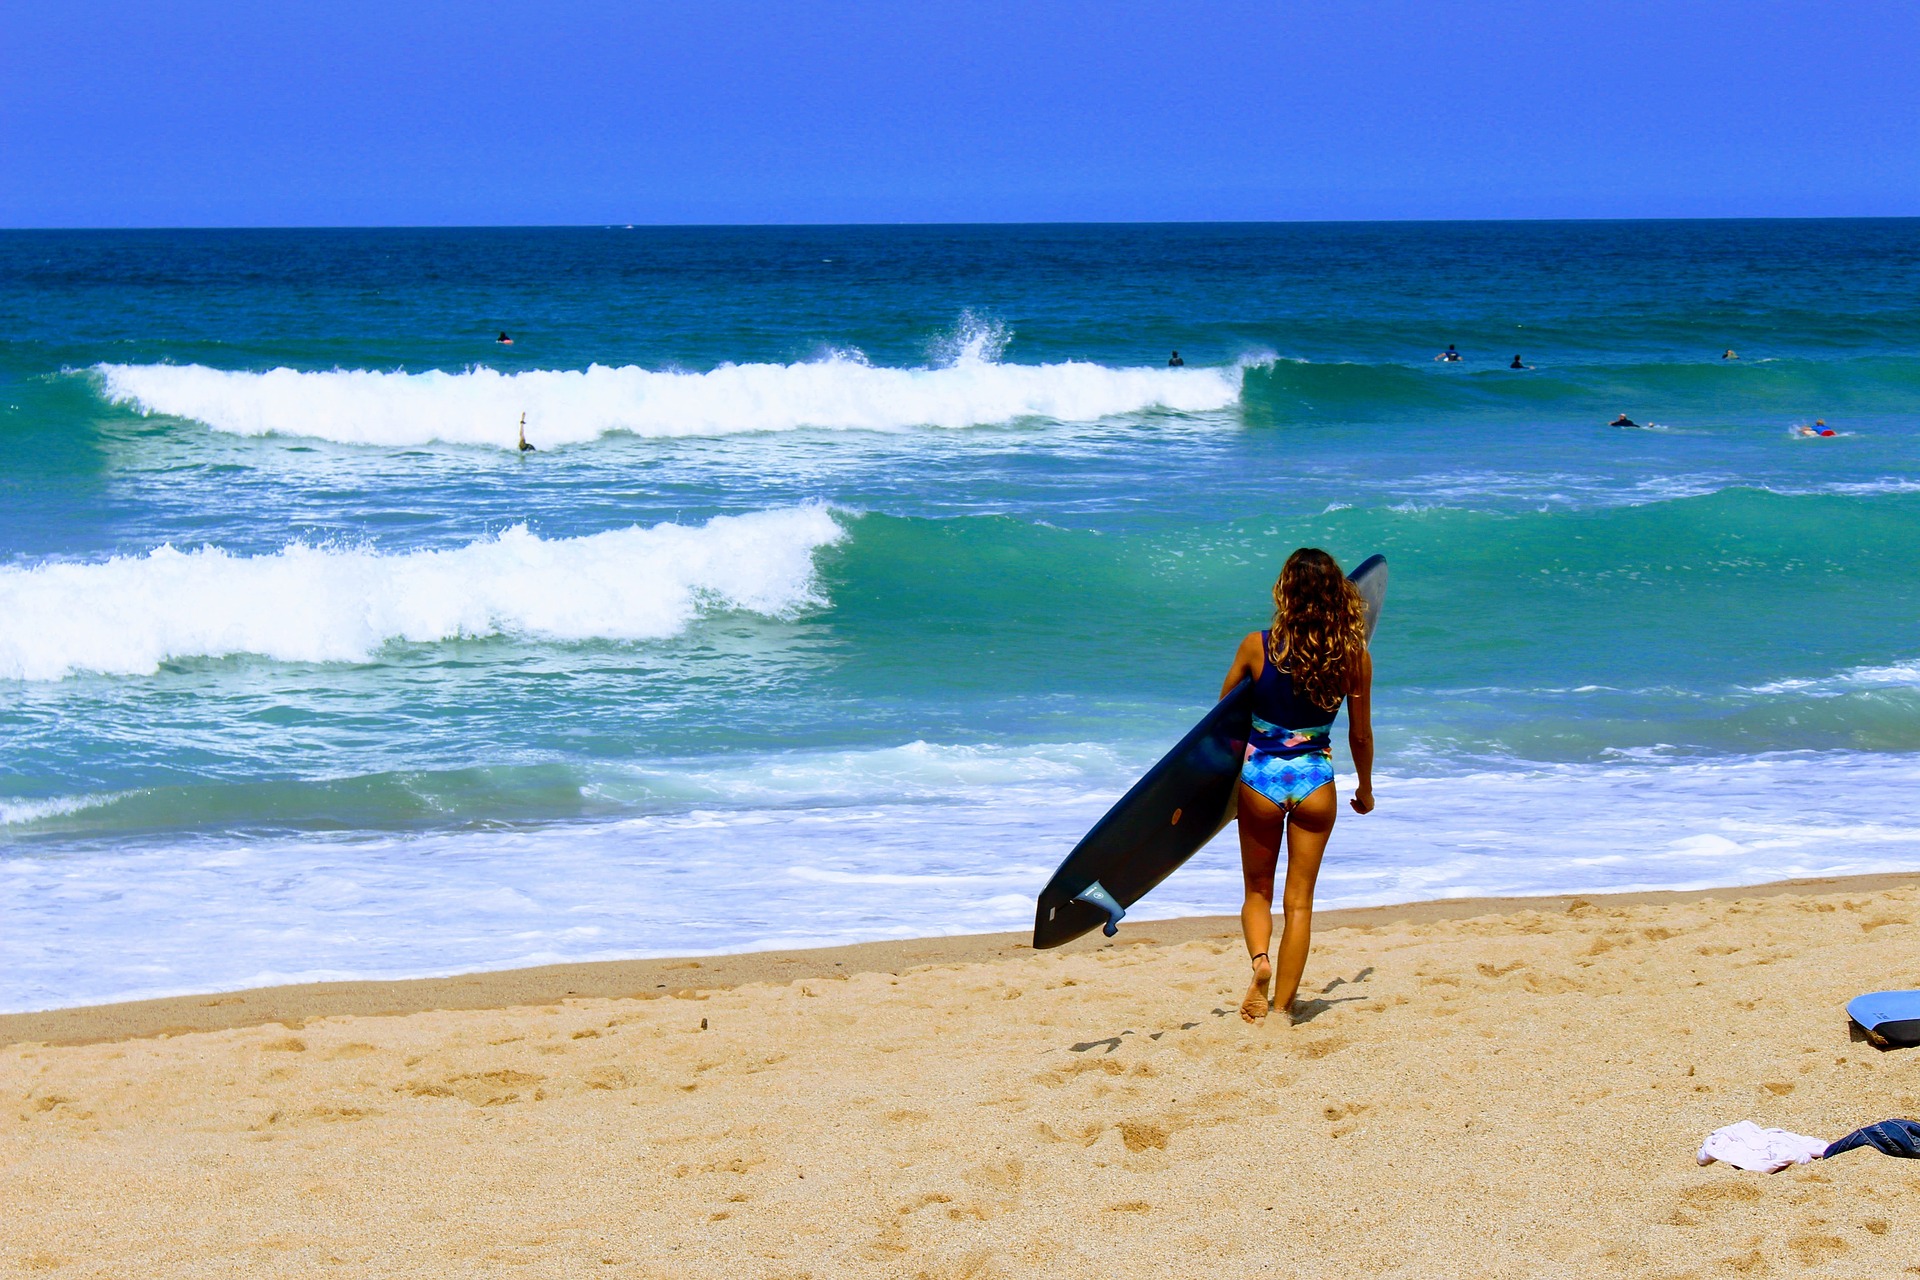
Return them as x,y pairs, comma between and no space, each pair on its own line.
1285,723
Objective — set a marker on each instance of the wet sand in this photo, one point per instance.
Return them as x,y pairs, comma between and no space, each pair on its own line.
1493,1088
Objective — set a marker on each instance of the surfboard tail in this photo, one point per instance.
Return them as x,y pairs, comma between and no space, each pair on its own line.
1096,895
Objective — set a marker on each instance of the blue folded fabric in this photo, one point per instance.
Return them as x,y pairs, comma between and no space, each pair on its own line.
1889,1138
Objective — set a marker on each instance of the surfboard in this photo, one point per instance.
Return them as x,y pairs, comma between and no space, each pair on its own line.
1169,815
1888,1017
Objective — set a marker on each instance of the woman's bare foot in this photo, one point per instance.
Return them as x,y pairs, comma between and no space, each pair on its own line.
1254,1007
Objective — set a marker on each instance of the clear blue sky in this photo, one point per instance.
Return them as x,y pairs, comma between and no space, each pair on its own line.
203,113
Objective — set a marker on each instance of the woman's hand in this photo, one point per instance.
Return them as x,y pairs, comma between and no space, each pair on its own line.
1360,733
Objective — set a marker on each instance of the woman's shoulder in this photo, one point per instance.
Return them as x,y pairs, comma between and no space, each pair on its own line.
1253,652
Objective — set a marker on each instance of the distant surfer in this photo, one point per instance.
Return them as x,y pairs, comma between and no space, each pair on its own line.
1449,355
1175,362
1819,428
524,446
1312,659
1623,421
1730,354
503,339
1517,364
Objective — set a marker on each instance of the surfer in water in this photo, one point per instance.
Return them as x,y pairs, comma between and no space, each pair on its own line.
524,446
1175,362
1623,421
1312,659
503,339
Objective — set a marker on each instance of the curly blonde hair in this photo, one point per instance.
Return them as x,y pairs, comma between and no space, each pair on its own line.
1319,626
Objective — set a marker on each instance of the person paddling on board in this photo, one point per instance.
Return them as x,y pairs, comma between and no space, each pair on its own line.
524,446
1175,362
1517,364
1312,659
503,339
1623,421
1449,355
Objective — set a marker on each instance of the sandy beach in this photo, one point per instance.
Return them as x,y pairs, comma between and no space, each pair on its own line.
1494,1088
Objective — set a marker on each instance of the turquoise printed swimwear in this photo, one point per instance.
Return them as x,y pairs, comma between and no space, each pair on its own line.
1287,765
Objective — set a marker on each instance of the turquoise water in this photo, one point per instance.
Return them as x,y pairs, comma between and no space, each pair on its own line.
859,569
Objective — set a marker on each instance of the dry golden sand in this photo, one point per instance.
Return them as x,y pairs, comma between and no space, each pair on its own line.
1509,1095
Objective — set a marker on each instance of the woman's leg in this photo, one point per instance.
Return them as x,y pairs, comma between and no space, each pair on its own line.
1261,825
1309,823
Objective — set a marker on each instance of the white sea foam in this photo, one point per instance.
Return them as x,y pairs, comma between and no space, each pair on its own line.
917,771
22,812
483,406
1898,675
850,863
341,604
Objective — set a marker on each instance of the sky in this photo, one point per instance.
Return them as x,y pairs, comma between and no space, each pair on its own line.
115,113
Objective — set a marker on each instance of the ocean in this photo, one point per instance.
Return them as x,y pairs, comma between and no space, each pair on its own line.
859,569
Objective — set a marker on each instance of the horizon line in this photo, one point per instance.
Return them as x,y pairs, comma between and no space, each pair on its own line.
908,224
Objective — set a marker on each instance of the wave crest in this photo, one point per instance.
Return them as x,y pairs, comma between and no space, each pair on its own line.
483,406
127,615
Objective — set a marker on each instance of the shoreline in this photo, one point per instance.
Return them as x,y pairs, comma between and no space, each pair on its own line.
294,1005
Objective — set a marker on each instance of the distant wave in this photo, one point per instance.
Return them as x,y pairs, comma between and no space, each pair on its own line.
1897,675
483,406
306,603
1681,395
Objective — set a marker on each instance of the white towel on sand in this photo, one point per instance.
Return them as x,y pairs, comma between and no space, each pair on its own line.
1747,1146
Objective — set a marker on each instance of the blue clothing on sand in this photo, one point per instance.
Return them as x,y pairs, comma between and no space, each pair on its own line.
1888,1137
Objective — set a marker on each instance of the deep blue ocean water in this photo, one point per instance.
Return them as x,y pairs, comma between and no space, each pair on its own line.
859,569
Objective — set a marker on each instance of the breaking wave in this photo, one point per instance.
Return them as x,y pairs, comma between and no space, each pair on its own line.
127,615
483,406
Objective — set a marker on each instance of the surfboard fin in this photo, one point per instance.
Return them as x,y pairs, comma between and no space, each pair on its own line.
1096,895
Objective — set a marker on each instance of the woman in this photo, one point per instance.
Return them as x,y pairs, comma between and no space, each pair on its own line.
1313,658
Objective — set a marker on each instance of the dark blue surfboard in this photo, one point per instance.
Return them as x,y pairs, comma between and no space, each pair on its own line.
1169,815
1892,1017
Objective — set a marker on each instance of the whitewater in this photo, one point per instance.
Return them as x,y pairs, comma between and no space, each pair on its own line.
573,406
129,614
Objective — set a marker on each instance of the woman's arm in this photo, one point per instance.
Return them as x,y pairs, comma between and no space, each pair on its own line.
1360,733
1243,659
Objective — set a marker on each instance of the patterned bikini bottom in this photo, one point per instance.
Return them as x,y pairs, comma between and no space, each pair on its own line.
1288,779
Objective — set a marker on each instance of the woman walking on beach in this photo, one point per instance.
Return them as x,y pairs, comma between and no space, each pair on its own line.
1313,658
